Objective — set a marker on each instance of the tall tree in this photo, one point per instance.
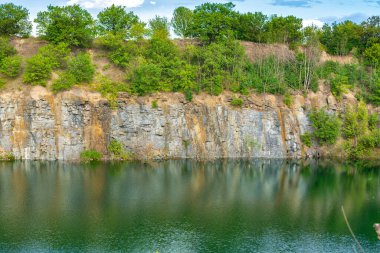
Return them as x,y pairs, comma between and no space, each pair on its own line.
252,26
182,21
213,22
70,24
14,20
159,27
284,29
116,19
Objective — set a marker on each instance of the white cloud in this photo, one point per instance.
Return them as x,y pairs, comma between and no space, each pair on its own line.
97,4
312,22
153,2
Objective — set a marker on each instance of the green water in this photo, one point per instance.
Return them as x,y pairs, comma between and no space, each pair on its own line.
185,206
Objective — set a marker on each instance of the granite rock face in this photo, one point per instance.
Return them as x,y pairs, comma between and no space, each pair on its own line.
40,125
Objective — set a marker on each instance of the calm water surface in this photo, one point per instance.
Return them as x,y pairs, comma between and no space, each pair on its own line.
185,206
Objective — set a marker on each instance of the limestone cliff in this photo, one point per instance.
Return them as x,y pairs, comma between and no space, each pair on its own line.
39,125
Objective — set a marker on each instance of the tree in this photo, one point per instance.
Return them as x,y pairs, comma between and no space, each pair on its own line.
116,19
14,20
372,55
284,29
213,22
326,126
252,26
159,27
70,24
341,38
182,21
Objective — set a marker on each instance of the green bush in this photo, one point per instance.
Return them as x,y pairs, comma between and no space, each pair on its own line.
110,89
90,156
237,102
288,100
6,49
38,70
56,54
11,66
2,82
64,82
146,79
81,68
116,149
339,85
306,139
154,104
373,121
326,126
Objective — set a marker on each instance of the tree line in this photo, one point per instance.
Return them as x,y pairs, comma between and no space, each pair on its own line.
212,61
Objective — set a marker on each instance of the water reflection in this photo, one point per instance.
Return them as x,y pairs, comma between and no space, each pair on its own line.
185,206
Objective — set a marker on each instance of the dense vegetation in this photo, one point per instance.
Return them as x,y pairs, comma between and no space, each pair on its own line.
209,58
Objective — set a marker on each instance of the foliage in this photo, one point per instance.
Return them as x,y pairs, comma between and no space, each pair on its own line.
339,85
251,26
81,68
306,139
117,151
69,24
64,82
146,79
90,156
372,55
284,29
182,21
355,121
154,104
38,70
11,66
6,49
326,126
40,66
373,120
341,38
213,22
116,20
288,100
2,83
110,89
159,27
14,20
237,102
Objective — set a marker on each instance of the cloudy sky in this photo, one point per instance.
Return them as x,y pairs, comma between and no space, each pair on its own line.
315,11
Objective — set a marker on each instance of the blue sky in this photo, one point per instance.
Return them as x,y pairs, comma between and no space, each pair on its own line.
316,11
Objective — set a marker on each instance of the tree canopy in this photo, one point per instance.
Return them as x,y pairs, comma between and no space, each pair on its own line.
70,24
14,20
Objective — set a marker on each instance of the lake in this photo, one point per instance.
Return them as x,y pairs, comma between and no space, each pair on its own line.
188,206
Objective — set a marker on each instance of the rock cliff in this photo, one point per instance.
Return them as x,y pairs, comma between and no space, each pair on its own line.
40,125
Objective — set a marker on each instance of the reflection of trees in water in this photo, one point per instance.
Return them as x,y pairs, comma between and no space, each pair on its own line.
219,193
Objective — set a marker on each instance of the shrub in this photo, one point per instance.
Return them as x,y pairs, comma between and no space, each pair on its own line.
326,126
64,82
237,102
117,151
154,104
38,70
372,121
339,85
56,54
288,100
110,89
146,79
90,156
11,66
2,83
306,139
81,68
6,49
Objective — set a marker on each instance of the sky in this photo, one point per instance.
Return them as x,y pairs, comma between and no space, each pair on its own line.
311,11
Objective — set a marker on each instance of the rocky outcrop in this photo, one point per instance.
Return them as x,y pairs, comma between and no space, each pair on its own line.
40,125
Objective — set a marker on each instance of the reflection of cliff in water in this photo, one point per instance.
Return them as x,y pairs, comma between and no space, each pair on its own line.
243,195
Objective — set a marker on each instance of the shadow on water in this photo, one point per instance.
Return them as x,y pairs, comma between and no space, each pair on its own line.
188,206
